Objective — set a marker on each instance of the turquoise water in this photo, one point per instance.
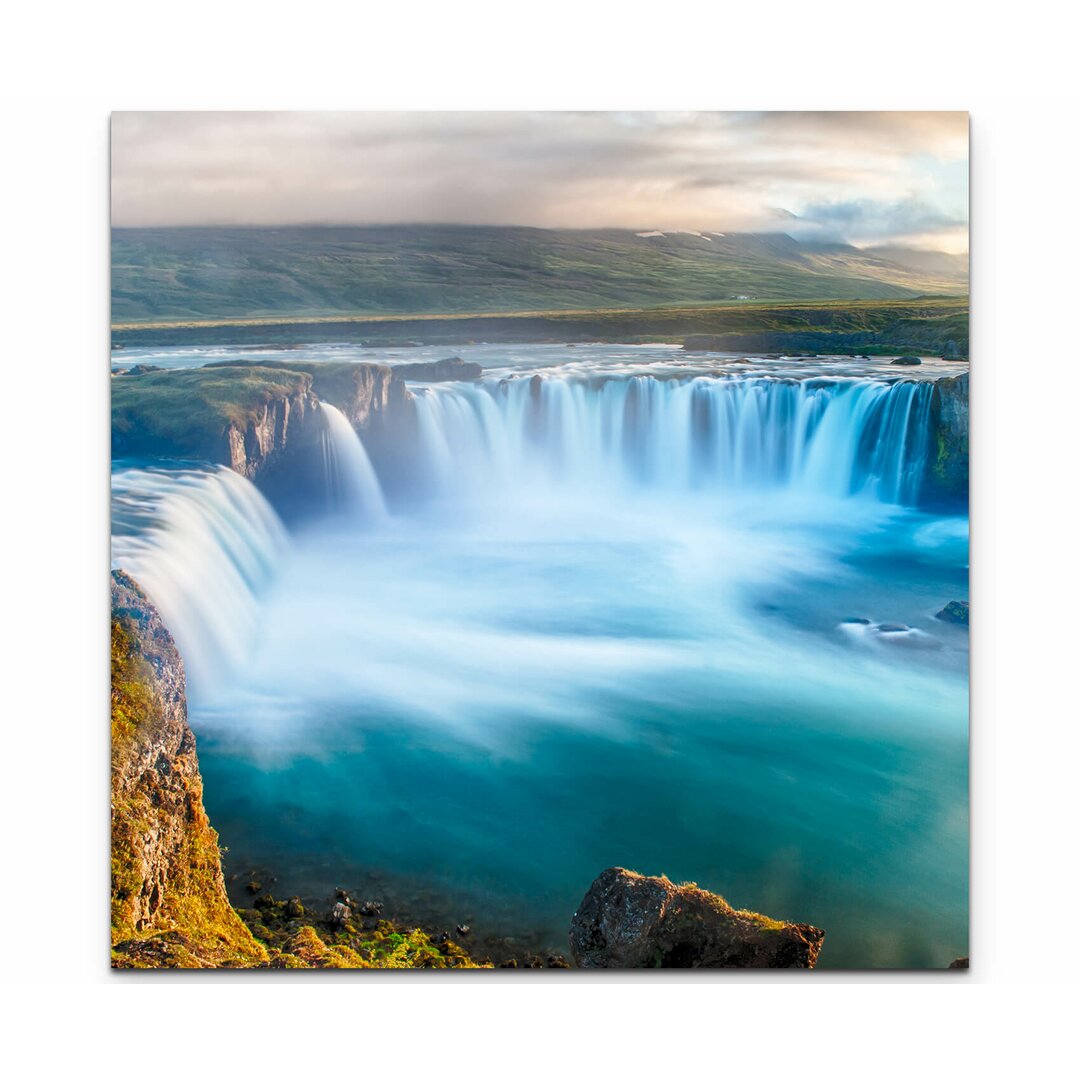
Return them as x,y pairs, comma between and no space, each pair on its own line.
561,653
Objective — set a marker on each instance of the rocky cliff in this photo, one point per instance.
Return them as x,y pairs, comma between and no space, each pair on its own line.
363,392
169,907
627,920
946,481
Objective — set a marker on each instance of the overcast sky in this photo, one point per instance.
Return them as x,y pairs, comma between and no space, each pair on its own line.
867,178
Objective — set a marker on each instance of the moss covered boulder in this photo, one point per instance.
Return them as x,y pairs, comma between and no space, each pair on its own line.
627,920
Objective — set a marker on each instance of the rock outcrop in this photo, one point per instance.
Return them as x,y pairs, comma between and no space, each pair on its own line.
363,392
239,417
169,906
627,920
907,361
946,481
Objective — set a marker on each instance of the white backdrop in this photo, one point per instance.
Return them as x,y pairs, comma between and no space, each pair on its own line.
66,67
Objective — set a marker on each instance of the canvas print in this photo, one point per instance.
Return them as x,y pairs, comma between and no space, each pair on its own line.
539,540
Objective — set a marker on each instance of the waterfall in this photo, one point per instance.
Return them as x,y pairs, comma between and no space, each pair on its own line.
204,544
832,436
352,486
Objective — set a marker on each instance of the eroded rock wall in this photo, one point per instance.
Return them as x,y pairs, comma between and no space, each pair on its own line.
169,905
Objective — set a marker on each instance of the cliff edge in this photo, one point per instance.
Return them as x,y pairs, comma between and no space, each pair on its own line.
169,906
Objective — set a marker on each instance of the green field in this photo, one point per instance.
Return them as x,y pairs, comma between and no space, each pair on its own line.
199,274
926,324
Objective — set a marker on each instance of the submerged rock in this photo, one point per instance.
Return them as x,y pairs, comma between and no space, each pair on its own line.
627,920
955,611
907,361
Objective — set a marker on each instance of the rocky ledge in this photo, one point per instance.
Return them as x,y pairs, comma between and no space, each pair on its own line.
946,482
627,920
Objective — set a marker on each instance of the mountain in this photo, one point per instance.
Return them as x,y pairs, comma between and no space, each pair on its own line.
947,266
224,273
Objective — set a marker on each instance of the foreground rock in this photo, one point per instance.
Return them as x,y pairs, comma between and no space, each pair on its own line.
627,920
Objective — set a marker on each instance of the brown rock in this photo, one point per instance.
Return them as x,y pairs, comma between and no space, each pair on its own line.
627,920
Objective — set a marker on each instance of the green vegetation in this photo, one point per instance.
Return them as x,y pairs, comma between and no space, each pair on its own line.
189,408
304,941
192,923
924,324
218,273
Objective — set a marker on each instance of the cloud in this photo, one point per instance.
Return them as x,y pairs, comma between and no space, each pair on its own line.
697,171
869,220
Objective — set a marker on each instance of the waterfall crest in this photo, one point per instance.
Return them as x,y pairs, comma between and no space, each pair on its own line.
829,436
204,544
352,486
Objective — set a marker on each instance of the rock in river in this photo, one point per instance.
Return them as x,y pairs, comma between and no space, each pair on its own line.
955,611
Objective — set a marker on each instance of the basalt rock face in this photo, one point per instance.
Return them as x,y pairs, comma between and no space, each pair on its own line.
946,481
169,906
280,423
627,920
363,392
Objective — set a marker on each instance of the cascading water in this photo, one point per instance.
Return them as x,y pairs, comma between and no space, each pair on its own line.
204,544
642,622
833,436
352,486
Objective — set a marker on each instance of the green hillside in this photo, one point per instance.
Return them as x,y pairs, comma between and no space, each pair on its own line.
206,273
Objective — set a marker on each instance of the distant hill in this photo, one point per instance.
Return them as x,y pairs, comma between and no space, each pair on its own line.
206,273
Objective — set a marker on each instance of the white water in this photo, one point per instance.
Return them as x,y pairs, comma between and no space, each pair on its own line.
204,544
834,437
352,486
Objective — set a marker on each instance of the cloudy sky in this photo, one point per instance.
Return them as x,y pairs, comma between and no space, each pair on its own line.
867,178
